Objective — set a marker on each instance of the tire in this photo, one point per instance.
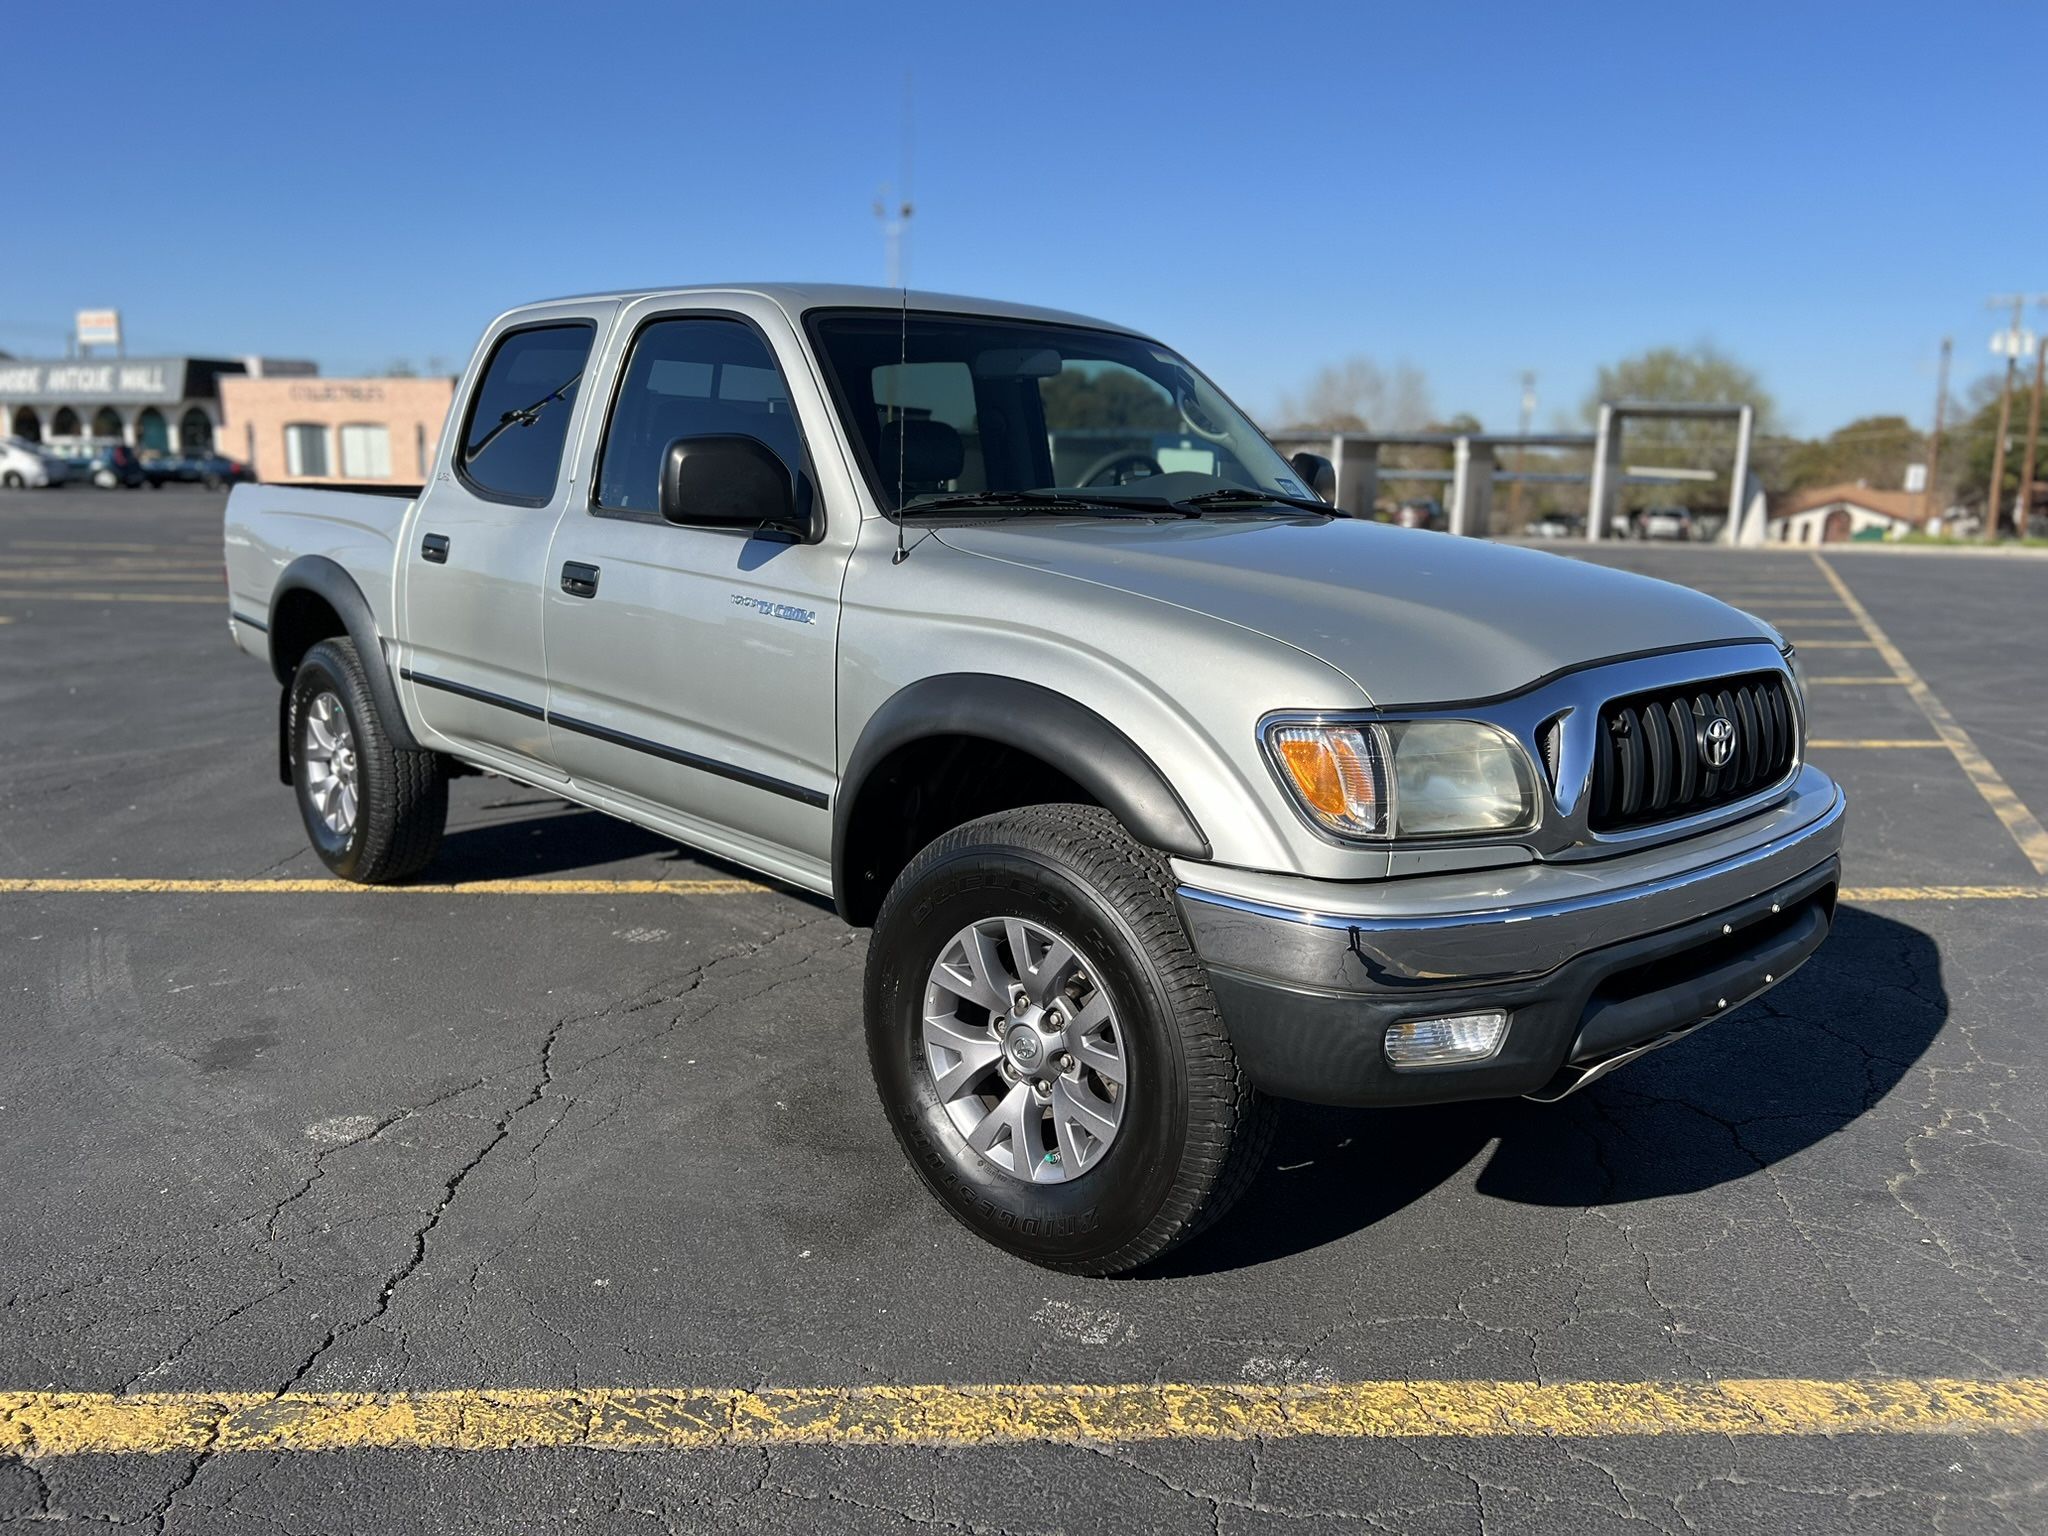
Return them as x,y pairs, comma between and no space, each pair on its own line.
14,481
396,801
1192,1131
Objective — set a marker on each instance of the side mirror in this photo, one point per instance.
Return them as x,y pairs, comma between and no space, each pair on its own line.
729,481
1317,473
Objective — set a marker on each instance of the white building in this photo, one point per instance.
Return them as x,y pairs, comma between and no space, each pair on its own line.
169,404
1829,514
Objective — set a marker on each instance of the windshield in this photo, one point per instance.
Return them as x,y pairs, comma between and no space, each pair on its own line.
955,407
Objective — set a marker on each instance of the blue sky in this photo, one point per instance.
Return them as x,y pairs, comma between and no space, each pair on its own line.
1820,189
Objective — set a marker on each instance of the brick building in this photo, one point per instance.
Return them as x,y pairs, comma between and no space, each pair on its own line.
380,431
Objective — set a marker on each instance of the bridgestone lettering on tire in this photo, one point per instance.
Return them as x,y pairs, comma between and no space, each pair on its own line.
373,813
1046,1045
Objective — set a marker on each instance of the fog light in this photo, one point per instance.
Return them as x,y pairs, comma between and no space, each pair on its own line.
1451,1041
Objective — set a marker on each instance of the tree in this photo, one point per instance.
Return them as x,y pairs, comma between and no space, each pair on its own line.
1357,395
1872,449
1972,444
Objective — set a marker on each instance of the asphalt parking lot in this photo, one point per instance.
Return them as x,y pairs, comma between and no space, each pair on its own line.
579,1161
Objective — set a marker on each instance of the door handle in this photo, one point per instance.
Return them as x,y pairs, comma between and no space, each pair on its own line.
579,580
434,547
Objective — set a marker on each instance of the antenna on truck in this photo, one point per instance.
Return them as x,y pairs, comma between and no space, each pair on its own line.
895,389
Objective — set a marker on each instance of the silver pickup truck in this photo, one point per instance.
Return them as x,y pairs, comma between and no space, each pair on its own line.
1164,787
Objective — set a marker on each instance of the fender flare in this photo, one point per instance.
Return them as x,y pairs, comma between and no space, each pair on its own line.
1062,731
328,581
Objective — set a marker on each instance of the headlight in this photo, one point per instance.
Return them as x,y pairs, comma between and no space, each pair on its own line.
1412,778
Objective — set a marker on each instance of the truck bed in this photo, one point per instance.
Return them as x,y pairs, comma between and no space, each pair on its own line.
269,526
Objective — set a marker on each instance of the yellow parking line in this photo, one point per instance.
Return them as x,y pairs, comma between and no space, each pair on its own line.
44,594
196,576
88,544
1868,894
44,1424
1840,743
1818,624
1836,645
2025,828
131,887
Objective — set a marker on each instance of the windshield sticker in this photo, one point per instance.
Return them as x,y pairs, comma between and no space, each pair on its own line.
1290,487
772,610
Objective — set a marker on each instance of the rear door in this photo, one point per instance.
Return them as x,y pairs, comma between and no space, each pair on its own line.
691,670
476,555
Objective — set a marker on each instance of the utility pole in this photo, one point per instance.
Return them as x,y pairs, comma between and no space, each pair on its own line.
1933,500
2014,343
895,216
2033,436
1522,451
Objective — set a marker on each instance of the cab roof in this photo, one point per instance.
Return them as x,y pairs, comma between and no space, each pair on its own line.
795,299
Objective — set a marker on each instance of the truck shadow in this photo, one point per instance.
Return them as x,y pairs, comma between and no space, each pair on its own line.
1765,1083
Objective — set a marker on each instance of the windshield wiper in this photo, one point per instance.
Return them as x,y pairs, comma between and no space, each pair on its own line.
1246,496
1047,501
523,416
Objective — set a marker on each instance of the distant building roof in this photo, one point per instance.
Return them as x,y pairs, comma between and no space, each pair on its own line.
1906,506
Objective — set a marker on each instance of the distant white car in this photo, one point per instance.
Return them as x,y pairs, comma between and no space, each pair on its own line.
1667,523
23,463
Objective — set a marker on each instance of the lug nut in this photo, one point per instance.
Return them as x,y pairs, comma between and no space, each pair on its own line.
1043,1086
1066,1062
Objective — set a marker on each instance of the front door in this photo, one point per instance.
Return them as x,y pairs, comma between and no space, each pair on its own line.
477,552
691,670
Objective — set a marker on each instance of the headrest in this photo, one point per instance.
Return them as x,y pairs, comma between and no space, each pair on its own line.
931,452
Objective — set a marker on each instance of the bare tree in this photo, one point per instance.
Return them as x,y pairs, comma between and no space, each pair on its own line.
1358,395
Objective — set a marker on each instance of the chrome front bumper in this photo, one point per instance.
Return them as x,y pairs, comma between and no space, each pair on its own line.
1592,960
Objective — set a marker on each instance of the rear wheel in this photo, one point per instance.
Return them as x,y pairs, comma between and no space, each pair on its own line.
1046,1045
373,812
14,480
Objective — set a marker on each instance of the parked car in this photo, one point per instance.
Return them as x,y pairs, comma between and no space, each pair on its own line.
1159,797
1665,523
119,465
160,469
1553,525
1421,512
212,470
26,464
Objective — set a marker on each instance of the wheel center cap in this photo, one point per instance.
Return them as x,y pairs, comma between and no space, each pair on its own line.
1026,1048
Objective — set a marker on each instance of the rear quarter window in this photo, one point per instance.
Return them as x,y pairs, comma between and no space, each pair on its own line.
518,420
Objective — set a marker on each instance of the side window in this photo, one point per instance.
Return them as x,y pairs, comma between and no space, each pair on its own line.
697,377
519,419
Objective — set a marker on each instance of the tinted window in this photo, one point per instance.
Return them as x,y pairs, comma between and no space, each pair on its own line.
520,417
697,377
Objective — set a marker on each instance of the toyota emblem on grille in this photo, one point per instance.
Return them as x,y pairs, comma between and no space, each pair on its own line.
1717,741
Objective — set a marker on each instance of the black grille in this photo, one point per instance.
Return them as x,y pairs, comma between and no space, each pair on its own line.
1653,761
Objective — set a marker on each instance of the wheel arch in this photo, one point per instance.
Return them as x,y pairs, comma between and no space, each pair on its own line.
314,600
1019,724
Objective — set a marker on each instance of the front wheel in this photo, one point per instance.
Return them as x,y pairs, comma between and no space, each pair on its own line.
1046,1045
374,813
14,480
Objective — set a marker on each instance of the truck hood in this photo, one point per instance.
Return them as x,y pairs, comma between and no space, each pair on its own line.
1412,617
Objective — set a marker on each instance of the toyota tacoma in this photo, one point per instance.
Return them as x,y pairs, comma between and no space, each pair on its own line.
1164,787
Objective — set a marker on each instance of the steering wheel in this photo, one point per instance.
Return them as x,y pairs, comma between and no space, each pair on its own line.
1132,458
